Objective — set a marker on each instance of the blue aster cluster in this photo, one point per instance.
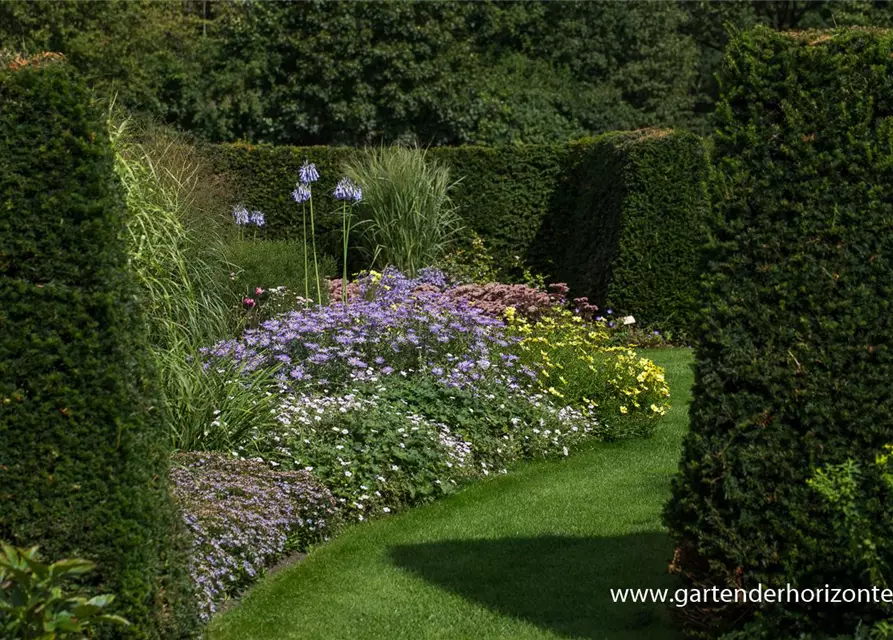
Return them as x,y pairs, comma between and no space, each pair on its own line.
407,324
243,516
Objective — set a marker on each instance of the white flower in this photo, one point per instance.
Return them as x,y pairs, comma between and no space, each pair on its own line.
348,474
386,509
564,451
628,320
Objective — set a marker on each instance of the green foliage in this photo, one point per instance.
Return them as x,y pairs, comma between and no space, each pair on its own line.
618,217
470,262
275,263
148,54
501,428
794,338
83,452
32,601
469,73
217,408
630,223
406,218
378,442
352,73
177,234
711,24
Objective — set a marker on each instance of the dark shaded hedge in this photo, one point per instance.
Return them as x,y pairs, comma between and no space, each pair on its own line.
793,359
617,217
83,454
627,227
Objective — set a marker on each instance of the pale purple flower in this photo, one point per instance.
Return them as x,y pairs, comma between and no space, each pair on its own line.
308,172
301,193
347,190
241,215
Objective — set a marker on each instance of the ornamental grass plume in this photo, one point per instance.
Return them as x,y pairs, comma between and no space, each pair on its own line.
408,218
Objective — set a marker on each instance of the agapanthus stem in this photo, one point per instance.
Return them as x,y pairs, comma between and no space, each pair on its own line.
306,257
345,231
315,262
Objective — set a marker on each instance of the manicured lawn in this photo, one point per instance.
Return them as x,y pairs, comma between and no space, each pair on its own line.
528,555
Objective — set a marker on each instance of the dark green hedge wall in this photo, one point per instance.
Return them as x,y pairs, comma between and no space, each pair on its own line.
83,455
503,193
617,217
793,361
628,224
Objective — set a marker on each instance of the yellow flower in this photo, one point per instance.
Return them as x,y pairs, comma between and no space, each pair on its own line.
624,410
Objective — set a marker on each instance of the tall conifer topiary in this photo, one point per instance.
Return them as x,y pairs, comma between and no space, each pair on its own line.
794,364
83,459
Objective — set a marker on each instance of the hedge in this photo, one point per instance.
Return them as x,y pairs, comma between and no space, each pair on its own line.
793,358
617,217
83,455
503,193
628,226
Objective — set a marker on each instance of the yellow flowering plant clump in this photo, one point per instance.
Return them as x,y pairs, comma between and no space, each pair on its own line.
575,361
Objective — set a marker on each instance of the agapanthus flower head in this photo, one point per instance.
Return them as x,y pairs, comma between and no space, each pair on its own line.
308,172
257,218
347,190
301,193
240,214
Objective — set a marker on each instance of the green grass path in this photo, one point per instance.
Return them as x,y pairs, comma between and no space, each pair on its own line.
529,555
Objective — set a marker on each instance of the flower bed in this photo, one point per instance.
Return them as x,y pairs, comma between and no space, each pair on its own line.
411,388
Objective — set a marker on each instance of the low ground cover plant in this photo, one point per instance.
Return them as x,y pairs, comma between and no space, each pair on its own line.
243,516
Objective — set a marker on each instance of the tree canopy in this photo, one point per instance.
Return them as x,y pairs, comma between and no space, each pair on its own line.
438,72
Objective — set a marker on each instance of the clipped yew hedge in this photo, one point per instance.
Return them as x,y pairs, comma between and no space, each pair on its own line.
83,455
628,226
794,354
618,217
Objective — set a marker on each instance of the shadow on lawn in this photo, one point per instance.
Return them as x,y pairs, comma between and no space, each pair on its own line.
558,583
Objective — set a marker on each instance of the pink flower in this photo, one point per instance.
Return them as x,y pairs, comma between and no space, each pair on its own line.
258,291
249,302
